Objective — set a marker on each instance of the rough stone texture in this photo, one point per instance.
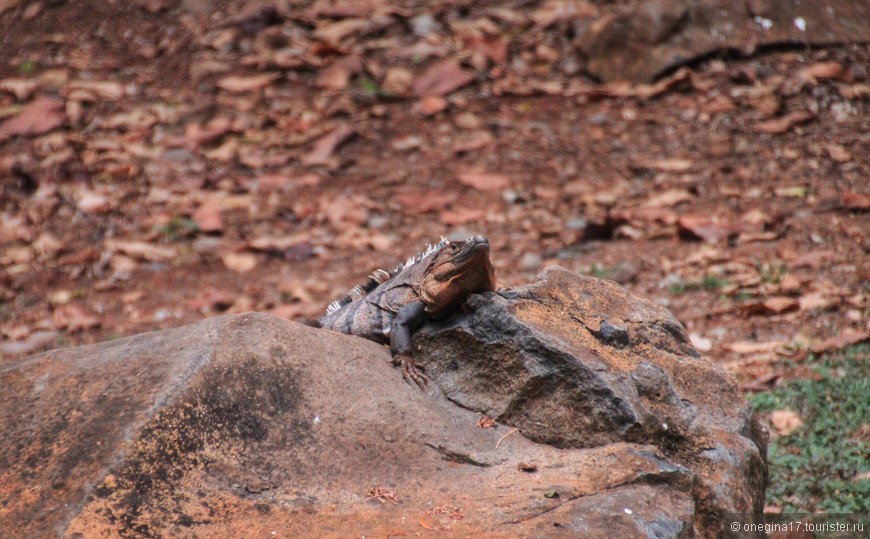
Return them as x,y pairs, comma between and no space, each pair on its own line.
641,40
247,424
574,361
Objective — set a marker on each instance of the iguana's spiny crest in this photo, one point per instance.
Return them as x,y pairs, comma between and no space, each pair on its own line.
379,276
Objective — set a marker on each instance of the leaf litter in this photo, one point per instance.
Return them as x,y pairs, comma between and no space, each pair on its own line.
311,143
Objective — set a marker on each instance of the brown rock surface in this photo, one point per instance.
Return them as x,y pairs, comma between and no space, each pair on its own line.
575,361
249,424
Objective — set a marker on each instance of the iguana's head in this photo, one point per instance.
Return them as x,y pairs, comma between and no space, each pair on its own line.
457,270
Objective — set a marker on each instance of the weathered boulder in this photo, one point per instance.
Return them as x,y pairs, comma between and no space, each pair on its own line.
640,40
248,424
573,361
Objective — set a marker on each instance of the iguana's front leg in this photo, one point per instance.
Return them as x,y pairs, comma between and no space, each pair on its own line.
408,319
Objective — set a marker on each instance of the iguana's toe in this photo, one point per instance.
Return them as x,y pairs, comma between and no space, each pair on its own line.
411,371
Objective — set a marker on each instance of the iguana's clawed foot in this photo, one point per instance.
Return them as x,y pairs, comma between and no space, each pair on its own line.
411,371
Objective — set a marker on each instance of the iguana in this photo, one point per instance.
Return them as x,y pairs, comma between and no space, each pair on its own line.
391,305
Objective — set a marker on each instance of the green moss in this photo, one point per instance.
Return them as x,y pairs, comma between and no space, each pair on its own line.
823,465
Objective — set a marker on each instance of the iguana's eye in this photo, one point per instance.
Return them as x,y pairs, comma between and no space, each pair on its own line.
454,247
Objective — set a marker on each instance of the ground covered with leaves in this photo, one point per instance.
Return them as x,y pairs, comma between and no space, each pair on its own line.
165,161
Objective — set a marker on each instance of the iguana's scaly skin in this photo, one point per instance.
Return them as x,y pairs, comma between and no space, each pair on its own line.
392,305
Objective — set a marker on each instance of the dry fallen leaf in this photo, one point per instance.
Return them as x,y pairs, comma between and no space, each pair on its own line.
855,91
240,262
276,243
483,181
784,123
817,301
856,201
208,218
472,141
646,216
672,164
333,33
703,228
206,134
21,88
754,347
671,197
485,422
406,143
431,104
323,149
397,80
552,11
780,304
91,202
482,48
813,259
102,89
784,422
347,212
243,84
287,182
840,341
73,318
337,76
790,284
643,91
823,70
749,237
462,215
442,79
838,153
141,250
382,495
210,298
41,115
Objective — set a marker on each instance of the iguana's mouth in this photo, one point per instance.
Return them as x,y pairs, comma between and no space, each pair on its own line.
474,246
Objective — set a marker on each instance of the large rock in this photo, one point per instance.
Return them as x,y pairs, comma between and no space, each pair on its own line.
248,424
574,362
642,39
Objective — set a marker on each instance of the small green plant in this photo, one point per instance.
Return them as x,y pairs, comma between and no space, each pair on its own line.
603,272
742,295
823,465
712,282
707,282
27,66
370,89
772,273
178,228
679,288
